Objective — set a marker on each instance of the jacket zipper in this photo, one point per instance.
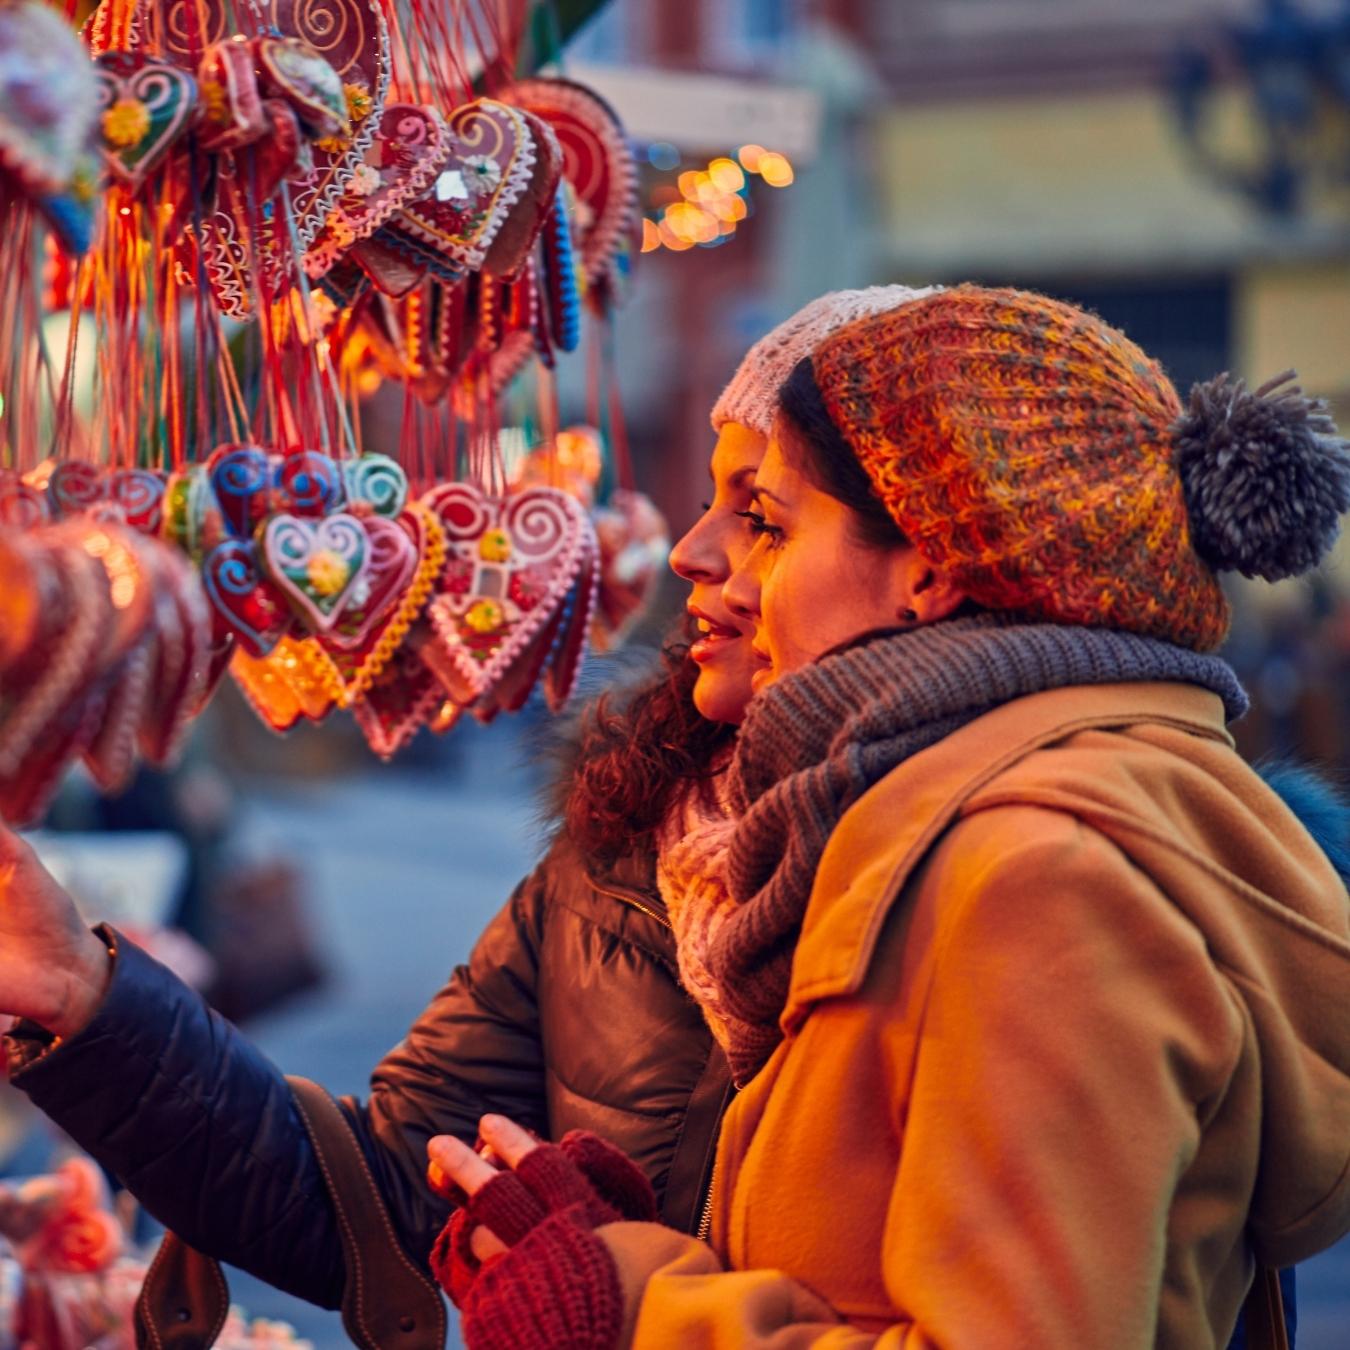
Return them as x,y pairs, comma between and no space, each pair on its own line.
705,1221
636,904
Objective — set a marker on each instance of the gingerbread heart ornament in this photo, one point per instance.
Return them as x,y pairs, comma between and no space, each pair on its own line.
249,606
231,102
139,493
407,557
48,97
511,564
598,163
146,106
75,486
318,565
301,75
401,699
487,171
21,506
408,151
241,478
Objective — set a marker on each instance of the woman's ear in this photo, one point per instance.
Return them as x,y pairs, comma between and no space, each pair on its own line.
930,593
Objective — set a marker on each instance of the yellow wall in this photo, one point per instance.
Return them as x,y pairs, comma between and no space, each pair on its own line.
1081,184
1296,315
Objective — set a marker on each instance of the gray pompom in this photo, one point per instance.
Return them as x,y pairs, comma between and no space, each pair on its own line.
1265,475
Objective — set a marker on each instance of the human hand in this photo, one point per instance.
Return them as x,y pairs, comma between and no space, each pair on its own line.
53,970
514,1187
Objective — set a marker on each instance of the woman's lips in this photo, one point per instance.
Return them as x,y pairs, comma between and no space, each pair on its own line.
713,639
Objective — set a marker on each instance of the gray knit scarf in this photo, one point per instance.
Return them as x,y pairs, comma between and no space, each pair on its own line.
814,742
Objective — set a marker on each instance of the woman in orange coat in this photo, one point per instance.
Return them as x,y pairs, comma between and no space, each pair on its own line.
1039,998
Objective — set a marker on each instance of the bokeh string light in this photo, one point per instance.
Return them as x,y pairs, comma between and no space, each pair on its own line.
704,206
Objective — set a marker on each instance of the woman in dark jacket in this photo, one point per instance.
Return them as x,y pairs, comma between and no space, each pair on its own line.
202,1128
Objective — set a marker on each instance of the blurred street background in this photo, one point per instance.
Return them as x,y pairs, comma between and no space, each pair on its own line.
1180,166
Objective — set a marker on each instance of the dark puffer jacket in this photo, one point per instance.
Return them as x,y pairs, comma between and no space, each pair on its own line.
568,1015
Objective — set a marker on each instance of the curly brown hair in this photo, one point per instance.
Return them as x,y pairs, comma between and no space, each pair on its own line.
638,752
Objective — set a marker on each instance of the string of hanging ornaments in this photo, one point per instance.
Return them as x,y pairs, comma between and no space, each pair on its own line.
231,218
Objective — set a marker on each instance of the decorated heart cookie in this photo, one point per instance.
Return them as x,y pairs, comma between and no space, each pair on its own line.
376,481
310,482
298,73
76,486
21,506
511,564
401,699
49,97
192,516
140,495
598,164
294,680
231,112
318,565
487,171
181,668
363,645
241,479
247,603
145,106
408,151
515,241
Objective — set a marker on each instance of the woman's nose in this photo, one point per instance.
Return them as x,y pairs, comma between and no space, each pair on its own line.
740,593
697,555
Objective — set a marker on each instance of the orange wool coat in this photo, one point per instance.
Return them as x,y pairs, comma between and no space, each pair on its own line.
1067,1053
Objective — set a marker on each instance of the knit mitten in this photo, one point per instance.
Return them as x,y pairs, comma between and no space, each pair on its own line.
591,1180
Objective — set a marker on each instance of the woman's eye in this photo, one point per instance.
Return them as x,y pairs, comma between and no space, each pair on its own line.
705,507
760,526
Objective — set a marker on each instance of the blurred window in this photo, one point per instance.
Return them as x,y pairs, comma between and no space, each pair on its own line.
749,28
608,39
1186,323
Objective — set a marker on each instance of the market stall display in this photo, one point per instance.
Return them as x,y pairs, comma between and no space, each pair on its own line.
252,211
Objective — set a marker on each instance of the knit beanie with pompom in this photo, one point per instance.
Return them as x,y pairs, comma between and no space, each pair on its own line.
1046,463
751,398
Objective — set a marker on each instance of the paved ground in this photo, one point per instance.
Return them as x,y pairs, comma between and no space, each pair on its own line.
407,867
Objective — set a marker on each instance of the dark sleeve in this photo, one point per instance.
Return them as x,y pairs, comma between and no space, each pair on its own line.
476,1048
196,1122
200,1126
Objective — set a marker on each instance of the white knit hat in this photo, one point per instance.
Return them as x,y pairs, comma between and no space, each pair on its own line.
751,398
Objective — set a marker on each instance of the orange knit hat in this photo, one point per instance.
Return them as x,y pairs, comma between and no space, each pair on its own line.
1044,461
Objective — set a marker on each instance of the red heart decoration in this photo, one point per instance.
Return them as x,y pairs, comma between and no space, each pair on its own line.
389,572
598,162
147,106
182,656
409,149
401,699
20,505
297,73
511,564
486,172
516,239
140,494
358,665
250,606
231,112
75,486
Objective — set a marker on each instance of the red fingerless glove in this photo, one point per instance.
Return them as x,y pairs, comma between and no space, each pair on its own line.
556,1289
557,1286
